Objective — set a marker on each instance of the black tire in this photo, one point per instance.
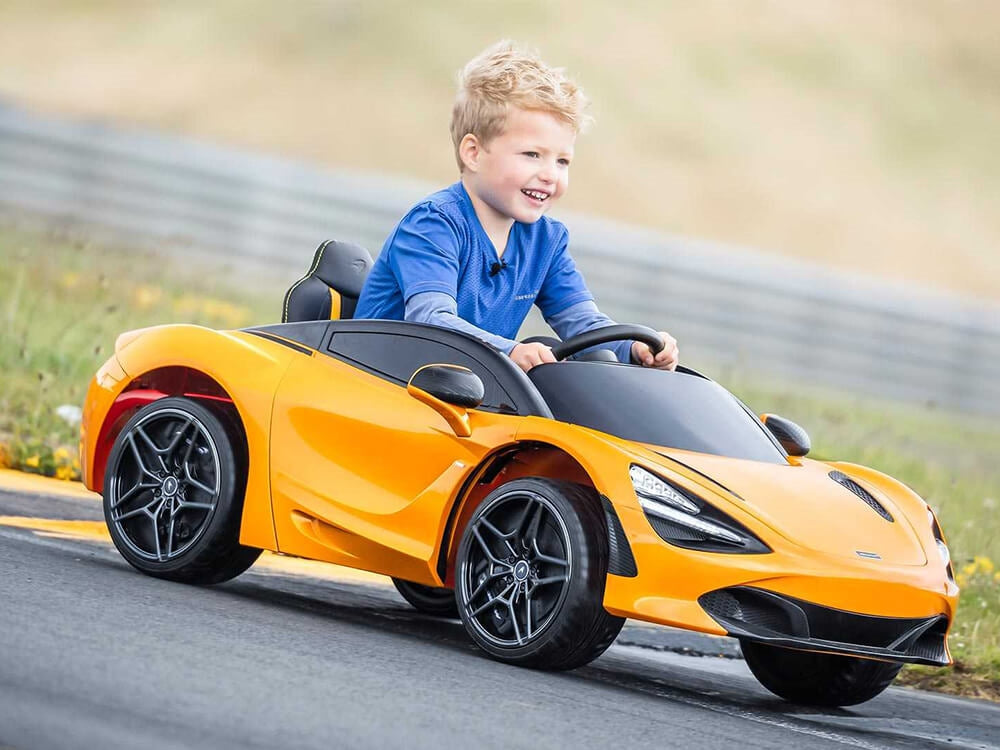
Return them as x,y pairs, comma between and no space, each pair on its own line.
438,602
510,581
173,494
815,679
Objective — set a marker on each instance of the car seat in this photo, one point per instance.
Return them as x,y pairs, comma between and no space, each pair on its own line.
330,290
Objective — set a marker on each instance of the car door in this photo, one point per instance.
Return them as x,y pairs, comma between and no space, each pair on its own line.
363,474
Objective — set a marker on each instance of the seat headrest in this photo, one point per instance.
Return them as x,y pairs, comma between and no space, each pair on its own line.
343,266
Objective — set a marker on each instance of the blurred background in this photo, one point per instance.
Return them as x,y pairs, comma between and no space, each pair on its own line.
752,165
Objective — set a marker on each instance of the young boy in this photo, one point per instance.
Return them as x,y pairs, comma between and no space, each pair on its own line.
475,256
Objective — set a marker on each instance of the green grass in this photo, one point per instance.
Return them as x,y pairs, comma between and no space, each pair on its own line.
64,301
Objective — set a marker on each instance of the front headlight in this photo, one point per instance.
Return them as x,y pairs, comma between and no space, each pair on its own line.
685,520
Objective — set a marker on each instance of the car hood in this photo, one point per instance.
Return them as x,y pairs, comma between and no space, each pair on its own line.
801,502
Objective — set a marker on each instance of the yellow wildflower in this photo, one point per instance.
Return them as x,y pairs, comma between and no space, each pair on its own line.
960,580
146,296
984,564
996,577
61,455
69,280
32,461
64,472
969,569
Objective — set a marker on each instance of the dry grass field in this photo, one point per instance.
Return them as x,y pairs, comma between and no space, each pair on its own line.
858,134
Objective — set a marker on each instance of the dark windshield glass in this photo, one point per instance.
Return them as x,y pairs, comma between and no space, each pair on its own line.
670,409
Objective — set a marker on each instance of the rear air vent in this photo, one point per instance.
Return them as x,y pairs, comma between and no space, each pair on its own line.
845,481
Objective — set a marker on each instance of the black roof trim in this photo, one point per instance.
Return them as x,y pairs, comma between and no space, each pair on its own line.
308,333
278,340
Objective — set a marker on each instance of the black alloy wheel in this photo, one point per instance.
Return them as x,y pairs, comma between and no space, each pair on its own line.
173,494
431,600
530,578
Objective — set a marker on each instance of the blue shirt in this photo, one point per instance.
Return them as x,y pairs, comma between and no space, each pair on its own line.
440,246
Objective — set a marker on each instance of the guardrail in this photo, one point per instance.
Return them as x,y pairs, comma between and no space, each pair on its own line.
725,305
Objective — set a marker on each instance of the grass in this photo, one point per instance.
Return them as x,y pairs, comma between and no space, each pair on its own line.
853,133
64,300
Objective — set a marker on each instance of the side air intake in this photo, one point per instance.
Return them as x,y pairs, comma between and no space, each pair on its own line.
845,481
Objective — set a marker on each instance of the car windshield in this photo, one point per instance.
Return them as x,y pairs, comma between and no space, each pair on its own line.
668,409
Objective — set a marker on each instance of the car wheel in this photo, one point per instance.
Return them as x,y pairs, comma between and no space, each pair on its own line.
430,600
530,575
815,679
173,494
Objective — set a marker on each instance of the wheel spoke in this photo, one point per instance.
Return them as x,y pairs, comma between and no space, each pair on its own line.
137,511
541,557
531,535
137,487
170,538
513,619
182,504
138,456
486,548
155,520
485,583
498,599
505,538
550,579
197,483
527,615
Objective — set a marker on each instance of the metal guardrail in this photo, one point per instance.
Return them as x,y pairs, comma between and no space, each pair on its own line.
725,305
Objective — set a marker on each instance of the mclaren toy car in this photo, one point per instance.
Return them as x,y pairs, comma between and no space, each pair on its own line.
542,508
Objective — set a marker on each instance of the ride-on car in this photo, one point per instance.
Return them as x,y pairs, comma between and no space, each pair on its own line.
542,508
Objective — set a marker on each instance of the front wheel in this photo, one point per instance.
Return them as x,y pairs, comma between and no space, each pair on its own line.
530,575
173,494
816,679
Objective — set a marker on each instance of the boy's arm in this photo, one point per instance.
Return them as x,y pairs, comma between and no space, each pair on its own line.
567,304
439,309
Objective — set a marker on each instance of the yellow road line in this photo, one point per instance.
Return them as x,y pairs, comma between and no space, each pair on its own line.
96,531
20,481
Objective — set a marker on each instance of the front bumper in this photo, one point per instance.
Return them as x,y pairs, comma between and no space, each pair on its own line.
791,597
766,617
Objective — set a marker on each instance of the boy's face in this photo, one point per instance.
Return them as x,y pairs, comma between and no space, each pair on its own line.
522,171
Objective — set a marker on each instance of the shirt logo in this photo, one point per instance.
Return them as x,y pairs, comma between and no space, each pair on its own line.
522,297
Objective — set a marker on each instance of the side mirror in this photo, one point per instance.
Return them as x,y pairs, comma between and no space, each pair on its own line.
450,390
793,438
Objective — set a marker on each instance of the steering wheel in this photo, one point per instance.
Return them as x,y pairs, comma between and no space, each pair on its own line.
605,335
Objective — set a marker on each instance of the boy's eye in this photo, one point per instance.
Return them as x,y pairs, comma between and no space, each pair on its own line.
564,162
532,154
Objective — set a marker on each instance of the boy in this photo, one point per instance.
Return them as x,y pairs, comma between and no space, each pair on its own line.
475,256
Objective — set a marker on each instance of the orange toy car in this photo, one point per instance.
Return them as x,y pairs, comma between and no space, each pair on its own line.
541,508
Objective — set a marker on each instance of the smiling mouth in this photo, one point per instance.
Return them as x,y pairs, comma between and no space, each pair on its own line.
536,195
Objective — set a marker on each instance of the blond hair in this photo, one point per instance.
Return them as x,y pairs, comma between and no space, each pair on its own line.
504,76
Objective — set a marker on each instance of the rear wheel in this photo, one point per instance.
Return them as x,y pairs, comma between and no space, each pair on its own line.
173,494
438,602
530,575
816,679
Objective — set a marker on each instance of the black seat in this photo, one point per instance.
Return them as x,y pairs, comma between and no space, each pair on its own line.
330,290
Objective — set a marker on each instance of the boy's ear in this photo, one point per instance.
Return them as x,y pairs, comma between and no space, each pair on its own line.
469,151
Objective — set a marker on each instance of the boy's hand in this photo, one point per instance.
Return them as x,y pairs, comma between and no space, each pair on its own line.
665,360
527,356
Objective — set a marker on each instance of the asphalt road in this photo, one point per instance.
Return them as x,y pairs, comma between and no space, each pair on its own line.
94,654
